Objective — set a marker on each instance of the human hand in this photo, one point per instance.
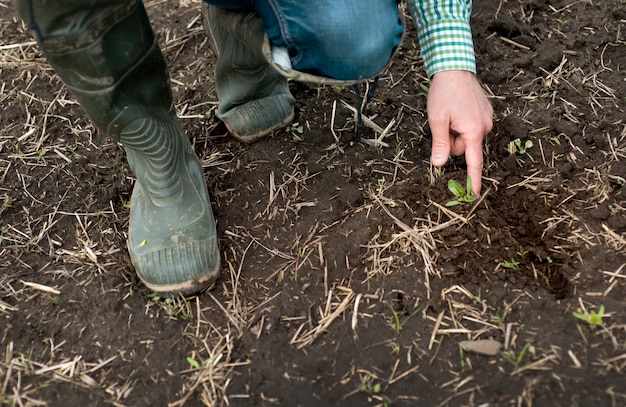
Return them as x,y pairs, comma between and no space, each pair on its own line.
459,116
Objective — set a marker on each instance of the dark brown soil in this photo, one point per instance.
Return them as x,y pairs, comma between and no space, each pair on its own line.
345,281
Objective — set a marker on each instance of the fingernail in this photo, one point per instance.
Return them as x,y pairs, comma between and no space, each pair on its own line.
438,157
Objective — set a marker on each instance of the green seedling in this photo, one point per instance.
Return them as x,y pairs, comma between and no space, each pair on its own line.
516,146
499,319
399,324
592,318
424,89
370,387
194,363
463,195
297,128
512,265
516,360
560,24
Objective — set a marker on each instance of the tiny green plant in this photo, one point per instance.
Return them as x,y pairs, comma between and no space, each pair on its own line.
560,24
463,195
370,387
499,318
516,146
512,265
516,360
193,362
399,324
297,128
592,318
424,89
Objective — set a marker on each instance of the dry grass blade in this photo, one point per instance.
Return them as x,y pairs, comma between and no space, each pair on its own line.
541,364
330,315
532,181
209,377
613,239
435,329
69,370
382,133
4,307
41,287
421,238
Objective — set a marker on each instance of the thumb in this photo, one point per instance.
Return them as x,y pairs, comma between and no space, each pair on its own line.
441,142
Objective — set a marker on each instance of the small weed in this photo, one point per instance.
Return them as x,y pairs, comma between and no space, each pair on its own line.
400,323
463,195
559,25
374,390
516,360
297,128
173,307
425,89
465,362
593,318
516,147
499,319
370,388
194,363
511,265
382,184
418,136
377,235
395,348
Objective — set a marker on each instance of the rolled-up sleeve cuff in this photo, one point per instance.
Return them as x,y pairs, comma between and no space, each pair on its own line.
447,45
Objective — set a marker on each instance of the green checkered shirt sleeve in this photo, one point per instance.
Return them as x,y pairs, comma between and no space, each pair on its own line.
444,34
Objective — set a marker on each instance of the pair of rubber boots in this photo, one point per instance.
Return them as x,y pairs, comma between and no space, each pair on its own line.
106,54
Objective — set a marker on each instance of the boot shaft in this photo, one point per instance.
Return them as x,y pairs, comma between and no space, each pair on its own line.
106,54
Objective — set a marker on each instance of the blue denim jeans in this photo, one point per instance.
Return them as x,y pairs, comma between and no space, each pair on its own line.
340,39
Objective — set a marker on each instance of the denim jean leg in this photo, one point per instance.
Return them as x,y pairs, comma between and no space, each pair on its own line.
347,40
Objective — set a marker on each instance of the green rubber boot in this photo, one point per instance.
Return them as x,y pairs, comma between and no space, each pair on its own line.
254,98
106,54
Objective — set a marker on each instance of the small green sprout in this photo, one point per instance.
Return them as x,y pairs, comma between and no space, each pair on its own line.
516,146
194,363
513,265
297,128
370,388
592,318
424,89
399,324
560,24
516,360
463,195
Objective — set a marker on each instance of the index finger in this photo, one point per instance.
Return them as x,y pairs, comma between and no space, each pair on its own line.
474,160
